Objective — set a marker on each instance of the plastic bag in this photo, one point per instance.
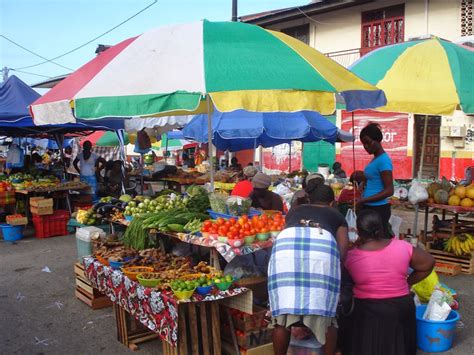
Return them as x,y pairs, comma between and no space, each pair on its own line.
425,287
395,222
351,220
438,308
237,206
417,193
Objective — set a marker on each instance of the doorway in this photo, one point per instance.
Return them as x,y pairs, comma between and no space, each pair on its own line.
432,146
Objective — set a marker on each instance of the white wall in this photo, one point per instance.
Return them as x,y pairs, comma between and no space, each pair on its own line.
341,30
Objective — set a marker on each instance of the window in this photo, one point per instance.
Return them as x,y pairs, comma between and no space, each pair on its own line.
467,18
382,27
300,32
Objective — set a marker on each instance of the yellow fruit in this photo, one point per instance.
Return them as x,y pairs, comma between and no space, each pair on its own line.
470,192
460,191
466,202
454,200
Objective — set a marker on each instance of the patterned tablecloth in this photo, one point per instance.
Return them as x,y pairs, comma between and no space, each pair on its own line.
158,311
7,197
227,252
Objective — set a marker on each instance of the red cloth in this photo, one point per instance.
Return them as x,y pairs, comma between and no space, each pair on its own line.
347,195
243,189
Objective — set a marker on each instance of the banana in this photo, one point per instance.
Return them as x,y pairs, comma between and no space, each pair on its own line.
465,248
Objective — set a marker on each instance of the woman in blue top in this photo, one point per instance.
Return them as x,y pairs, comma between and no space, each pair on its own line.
378,172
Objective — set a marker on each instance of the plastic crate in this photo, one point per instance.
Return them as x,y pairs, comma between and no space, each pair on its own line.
51,226
215,215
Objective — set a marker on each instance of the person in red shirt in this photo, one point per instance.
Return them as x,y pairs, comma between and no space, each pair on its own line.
244,187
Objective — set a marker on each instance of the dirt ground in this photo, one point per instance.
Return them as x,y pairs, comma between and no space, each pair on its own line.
40,314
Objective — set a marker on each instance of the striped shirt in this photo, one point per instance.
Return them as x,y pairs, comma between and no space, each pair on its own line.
304,273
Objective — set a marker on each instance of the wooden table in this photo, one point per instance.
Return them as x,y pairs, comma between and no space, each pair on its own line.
185,327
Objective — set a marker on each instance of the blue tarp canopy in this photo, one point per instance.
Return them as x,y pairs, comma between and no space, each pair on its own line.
240,130
15,119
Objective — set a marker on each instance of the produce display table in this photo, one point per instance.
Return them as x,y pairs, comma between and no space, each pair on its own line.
180,184
45,191
175,322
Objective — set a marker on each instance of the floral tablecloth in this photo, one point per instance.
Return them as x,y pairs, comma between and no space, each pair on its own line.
227,252
158,311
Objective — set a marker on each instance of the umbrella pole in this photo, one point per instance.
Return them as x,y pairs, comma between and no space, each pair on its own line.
209,139
423,146
353,155
289,158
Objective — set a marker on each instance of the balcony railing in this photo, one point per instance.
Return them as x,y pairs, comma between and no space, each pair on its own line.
346,57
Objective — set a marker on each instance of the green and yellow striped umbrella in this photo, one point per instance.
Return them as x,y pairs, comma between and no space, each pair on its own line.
432,76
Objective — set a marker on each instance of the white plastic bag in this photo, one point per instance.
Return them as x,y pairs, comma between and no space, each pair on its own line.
351,220
438,308
395,222
417,193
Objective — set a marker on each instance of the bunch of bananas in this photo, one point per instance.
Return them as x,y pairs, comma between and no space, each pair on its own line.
460,244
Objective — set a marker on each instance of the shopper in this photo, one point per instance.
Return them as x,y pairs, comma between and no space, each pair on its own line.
383,320
301,197
244,187
304,271
263,198
379,176
89,165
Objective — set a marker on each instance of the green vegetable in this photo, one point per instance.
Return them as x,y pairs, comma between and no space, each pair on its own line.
179,228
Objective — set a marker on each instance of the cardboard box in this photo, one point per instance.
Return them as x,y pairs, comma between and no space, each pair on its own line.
266,349
42,211
17,220
41,202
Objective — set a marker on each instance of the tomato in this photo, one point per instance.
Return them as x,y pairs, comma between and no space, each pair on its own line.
237,226
241,221
261,224
232,221
214,229
252,231
264,230
223,230
233,229
242,234
205,229
246,227
255,219
220,221
207,223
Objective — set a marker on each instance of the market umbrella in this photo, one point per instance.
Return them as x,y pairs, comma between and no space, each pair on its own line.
431,76
105,139
172,141
170,70
185,69
241,130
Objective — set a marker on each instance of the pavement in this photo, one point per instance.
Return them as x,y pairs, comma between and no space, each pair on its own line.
39,313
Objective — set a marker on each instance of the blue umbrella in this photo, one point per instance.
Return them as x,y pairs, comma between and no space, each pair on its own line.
240,130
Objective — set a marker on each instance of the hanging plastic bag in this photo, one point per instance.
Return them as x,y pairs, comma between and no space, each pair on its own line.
417,192
351,220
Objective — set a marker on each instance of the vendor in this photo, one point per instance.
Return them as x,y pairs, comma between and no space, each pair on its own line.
188,161
301,197
244,187
263,198
234,164
113,180
337,171
379,176
352,192
90,166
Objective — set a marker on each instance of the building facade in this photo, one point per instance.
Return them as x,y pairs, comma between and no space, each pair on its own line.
345,30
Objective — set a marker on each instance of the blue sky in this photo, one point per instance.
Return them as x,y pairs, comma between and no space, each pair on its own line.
53,27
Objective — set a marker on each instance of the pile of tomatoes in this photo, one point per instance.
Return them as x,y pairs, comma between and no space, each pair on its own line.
244,226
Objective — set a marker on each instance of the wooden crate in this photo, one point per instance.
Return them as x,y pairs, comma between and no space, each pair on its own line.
86,292
466,261
448,269
131,332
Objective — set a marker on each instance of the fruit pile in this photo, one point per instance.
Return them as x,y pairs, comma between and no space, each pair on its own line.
142,204
243,226
445,194
460,244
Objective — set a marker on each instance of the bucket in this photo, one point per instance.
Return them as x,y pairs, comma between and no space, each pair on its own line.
435,336
11,233
323,169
